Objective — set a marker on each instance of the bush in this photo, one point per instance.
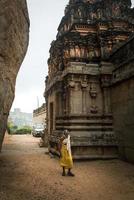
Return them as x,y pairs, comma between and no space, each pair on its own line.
23,131
12,130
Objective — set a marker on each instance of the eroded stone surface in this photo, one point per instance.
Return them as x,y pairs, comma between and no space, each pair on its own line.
14,28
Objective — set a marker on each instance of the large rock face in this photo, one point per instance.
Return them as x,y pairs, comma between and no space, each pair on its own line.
14,34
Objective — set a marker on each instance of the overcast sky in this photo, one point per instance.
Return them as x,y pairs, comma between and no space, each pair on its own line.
45,16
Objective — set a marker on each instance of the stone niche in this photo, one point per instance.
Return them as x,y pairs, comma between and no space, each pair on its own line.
14,36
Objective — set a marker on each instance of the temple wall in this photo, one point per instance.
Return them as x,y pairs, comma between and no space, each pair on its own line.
39,115
123,99
77,103
123,113
85,96
51,112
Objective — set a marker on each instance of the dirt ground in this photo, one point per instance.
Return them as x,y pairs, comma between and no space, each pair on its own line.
27,172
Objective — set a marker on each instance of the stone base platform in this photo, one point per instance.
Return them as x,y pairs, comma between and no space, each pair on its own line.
92,137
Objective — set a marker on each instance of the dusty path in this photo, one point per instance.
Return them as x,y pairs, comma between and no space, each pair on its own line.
27,173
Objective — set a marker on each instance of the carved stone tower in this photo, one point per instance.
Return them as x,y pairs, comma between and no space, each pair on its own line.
77,87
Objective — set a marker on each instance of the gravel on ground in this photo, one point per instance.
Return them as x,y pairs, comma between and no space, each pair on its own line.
27,172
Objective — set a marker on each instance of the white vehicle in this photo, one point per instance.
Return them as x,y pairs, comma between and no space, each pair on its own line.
38,130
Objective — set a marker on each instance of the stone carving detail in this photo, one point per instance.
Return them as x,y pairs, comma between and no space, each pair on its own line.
94,109
84,83
93,91
82,41
105,138
93,95
71,84
105,80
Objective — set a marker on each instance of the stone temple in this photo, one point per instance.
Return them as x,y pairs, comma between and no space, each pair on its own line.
87,77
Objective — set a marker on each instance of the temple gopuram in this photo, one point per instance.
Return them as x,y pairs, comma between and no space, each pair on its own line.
78,87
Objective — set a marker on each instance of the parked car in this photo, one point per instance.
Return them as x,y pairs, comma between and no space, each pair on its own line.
38,130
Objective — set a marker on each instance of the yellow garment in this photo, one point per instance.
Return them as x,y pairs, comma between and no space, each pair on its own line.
66,158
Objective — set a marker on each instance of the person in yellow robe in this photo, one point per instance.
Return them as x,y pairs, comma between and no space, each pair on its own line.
66,160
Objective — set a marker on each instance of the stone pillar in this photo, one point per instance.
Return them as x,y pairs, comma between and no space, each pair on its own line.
71,86
93,95
84,86
106,100
60,103
64,101
106,74
84,107
67,100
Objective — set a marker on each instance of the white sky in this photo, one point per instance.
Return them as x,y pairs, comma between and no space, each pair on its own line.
45,16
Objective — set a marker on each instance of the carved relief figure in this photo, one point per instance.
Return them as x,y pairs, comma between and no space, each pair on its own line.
77,52
116,9
72,52
79,13
93,94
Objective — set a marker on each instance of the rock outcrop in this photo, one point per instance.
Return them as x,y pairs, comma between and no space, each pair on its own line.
14,35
